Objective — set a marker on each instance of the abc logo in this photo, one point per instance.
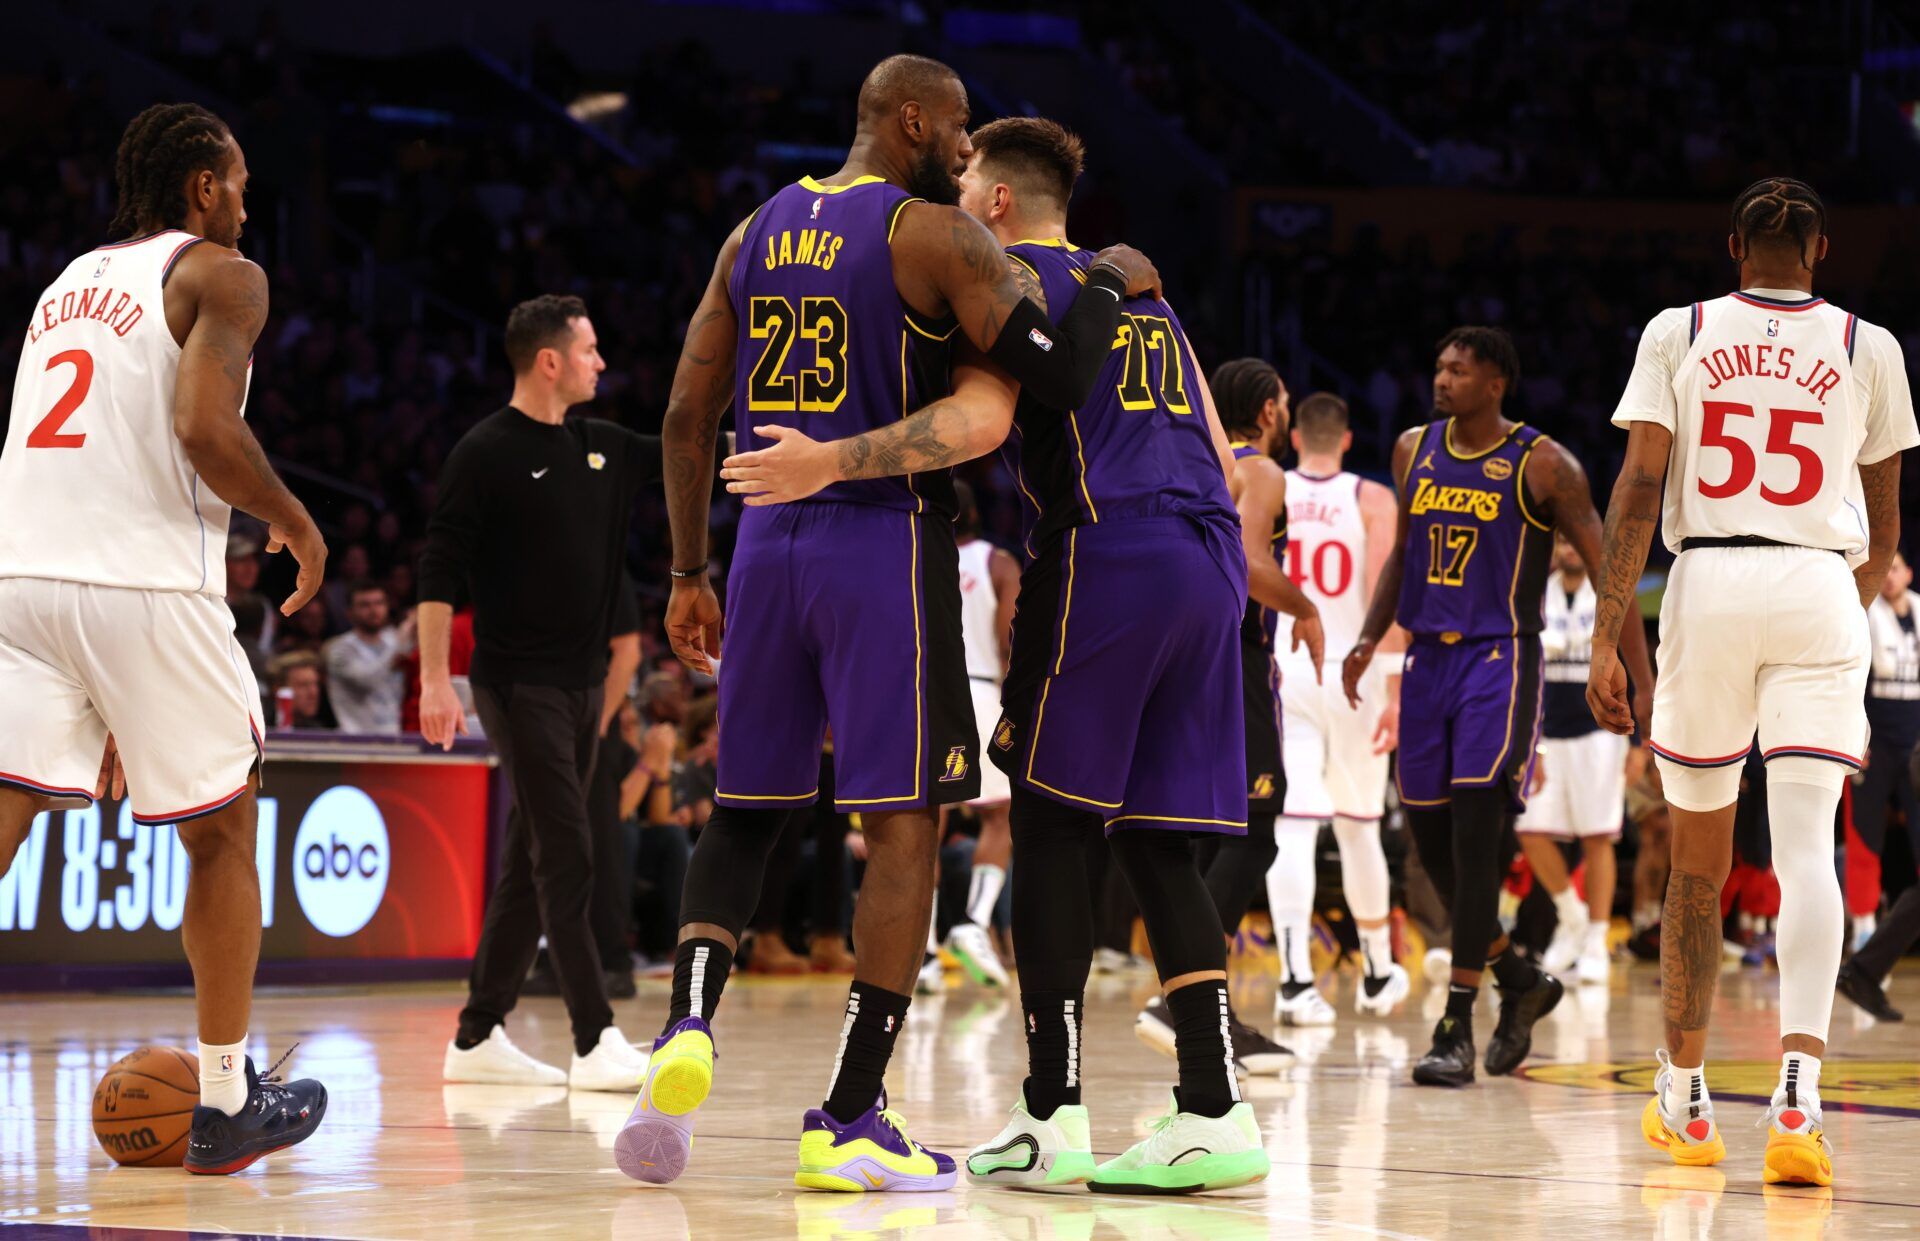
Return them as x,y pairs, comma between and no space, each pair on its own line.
340,861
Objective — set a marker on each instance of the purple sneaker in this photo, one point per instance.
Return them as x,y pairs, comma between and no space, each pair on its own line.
872,1152
654,1143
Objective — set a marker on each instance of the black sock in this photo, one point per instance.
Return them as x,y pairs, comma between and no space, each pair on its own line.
1460,998
1290,989
471,1037
583,1044
1512,971
700,970
875,1017
1200,1014
1053,1049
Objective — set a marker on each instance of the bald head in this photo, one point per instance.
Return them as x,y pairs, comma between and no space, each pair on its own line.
900,80
913,114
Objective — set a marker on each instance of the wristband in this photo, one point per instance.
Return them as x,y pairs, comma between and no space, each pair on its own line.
1392,663
1119,275
686,573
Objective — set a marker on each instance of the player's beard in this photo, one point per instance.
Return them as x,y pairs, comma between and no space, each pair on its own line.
931,179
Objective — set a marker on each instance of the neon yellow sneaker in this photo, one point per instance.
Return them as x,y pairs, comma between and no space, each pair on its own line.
1797,1150
870,1152
1692,1139
654,1143
1186,1154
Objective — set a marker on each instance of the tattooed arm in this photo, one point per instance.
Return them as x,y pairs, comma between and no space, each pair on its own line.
702,390
945,260
1632,515
1881,484
970,423
228,296
1386,587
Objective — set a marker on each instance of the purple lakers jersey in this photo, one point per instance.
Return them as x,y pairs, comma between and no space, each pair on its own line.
1476,558
1262,623
825,344
1140,446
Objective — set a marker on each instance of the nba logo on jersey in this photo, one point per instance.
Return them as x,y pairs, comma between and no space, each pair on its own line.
102,269
817,204
226,1064
1040,338
1773,327
956,765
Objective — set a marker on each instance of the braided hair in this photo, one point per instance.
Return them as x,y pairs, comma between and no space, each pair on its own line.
1241,389
1779,211
159,149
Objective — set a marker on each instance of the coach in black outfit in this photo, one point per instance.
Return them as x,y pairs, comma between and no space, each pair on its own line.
531,524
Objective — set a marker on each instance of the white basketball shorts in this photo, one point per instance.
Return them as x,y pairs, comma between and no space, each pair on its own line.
994,788
158,669
1327,746
1585,789
1767,638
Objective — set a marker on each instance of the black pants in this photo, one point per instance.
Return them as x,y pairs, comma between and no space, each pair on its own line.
660,852
1887,778
547,739
612,855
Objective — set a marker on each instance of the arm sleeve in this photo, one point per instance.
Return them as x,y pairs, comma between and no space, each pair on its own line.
1059,365
643,455
626,609
1649,395
453,532
1890,423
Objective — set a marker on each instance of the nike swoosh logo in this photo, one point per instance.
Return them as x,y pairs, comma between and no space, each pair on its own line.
541,473
875,1181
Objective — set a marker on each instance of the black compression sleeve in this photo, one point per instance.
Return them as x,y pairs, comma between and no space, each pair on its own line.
1058,365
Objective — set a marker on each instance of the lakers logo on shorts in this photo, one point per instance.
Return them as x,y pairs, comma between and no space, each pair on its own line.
956,765
1498,469
1003,735
1262,787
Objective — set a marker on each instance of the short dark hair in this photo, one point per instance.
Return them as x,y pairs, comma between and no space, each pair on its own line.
1321,420
362,586
159,148
1779,211
1037,155
1491,345
544,322
1241,389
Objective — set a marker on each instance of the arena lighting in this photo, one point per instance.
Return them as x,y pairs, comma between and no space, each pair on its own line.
591,107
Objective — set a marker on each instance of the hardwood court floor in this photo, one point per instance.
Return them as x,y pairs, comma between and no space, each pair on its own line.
1358,1151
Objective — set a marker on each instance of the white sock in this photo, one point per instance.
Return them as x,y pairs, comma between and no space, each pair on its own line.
1597,936
223,1076
1685,1088
933,927
1376,950
1290,896
1568,904
1802,1073
1363,867
1800,808
988,879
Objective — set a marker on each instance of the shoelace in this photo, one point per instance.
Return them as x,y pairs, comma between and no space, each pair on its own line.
899,1124
273,1089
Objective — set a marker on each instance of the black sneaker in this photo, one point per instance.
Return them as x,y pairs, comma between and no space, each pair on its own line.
620,985
1253,1051
1519,1010
1645,943
1450,1062
1154,1025
1864,991
277,1115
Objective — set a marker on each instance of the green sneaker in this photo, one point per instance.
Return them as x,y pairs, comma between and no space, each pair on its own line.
1055,1151
1186,1154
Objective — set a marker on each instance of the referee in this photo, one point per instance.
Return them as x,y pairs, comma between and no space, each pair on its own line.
531,524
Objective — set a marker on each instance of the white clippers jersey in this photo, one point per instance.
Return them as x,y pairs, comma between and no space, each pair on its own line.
94,486
979,606
1327,559
1774,399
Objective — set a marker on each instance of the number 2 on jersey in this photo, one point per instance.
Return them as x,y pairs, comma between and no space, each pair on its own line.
46,433
1743,468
